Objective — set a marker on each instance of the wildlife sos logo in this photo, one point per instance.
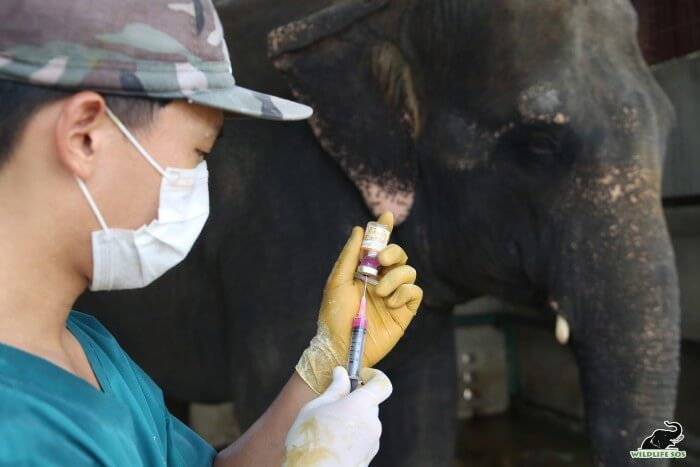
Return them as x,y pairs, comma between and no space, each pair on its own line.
661,443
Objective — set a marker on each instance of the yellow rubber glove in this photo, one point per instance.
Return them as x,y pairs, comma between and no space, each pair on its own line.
391,306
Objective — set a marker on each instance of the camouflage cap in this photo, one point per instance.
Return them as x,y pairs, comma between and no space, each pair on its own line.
151,48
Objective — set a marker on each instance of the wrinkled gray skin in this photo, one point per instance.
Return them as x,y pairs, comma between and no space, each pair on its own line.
521,147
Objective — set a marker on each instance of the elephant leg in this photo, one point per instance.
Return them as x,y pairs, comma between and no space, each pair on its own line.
419,419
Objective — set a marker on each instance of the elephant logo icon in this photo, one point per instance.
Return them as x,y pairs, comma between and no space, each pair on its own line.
662,443
664,439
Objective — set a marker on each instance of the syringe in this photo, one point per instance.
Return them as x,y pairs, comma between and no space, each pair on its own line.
357,342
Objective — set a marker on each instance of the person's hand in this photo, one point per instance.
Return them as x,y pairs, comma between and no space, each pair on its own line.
337,429
391,306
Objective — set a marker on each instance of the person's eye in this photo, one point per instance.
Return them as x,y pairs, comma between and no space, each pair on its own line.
202,154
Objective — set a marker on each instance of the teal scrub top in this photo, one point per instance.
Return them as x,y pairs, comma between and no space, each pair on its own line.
49,416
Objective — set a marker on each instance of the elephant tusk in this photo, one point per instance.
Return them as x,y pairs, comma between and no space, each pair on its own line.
561,330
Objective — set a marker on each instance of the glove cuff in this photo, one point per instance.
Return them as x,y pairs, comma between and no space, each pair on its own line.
316,364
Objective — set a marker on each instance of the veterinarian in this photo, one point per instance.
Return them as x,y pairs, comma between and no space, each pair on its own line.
108,112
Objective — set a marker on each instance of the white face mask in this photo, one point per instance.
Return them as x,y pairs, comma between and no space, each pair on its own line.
130,259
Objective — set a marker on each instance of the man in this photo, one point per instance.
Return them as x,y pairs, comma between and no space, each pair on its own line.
108,112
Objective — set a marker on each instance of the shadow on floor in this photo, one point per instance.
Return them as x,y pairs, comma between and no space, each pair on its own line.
520,439
526,438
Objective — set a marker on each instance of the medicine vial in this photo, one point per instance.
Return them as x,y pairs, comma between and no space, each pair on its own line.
376,239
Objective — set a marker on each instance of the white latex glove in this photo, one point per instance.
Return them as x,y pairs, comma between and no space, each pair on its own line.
338,429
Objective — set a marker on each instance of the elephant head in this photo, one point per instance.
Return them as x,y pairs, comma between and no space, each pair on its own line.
521,148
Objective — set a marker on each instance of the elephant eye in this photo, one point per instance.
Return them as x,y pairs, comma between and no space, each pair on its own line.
537,152
544,143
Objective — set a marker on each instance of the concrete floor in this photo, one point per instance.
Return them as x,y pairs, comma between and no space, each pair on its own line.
521,438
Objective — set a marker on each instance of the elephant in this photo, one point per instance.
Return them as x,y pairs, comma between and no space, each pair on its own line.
520,149
664,439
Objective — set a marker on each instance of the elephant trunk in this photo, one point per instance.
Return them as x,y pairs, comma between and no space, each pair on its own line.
675,425
615,282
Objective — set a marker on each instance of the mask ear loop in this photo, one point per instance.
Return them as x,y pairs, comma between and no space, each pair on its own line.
125,131
92,204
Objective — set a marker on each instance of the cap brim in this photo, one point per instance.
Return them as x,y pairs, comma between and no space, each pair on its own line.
252,103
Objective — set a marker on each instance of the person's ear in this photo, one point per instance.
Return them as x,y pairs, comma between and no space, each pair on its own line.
80,132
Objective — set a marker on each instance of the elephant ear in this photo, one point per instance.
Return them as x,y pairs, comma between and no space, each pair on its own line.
366,110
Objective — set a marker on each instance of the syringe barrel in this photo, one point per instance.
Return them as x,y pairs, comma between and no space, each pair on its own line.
357,347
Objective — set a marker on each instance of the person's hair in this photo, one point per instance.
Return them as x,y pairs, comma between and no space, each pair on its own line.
20,101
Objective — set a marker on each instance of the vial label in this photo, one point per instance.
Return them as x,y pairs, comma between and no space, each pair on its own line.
376,236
